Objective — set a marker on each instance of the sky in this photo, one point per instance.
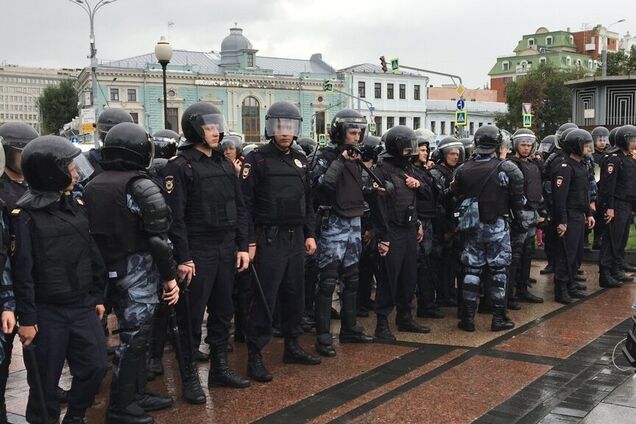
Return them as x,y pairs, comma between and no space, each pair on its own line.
459,37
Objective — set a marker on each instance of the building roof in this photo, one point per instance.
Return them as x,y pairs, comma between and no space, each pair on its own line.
369,68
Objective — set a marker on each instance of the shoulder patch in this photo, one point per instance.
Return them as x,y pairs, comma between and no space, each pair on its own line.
559,181
610,168
246,171
298,163
564,165
168,184
16,212
80,201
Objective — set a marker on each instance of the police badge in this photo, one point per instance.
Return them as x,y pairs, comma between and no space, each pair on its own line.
168,184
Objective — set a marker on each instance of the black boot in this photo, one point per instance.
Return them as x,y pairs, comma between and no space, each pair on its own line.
61,395
405,322
526,296
131,414
561,294
154,367
201,356
220,373
549,269
192,391
606,280
382,329
295,354
433,312
70,417
255,367
574,292
149,401
350,332
500,321
620,275
579,286
467,316
629,268
323,318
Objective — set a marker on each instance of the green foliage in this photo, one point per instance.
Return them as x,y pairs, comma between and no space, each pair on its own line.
58,106
620,63
543,87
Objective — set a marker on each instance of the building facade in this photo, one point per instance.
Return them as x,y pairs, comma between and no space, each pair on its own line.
385,98
556,48
20,88
241,83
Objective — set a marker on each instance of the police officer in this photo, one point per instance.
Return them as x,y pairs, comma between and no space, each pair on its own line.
277,193
447,246
618,182
600,135
15,137
209,231
308,145
337,183
571,213
497,187
59,281
129,220
398,231
522,235
232,147
105,121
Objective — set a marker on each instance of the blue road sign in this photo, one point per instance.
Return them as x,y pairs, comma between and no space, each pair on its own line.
460,104
75,139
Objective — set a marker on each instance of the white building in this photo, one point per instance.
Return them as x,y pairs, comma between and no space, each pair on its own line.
396,99
20,88
627,42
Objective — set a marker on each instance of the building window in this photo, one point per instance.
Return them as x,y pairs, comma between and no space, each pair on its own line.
320,122
378,126
251,116
443,127
548,40
543,61
402,91
378,90
114,94
416,92
416,122
135,117
361,89
250,60
452,128
389,91
481,124
402,120
132,95
589,63
390,122
568,61
433,125
472,128
173,119
524,66
505,66
571,39
530,42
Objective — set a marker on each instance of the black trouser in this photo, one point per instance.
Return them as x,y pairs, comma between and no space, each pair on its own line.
449,267
280,263
600,228
569,249
241,297
311,282
398,272
7,348
73,334
613,243
550,240
368,270
212,288
159,331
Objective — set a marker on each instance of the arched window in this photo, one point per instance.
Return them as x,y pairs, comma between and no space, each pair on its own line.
530,42
548,40
505,66
251,118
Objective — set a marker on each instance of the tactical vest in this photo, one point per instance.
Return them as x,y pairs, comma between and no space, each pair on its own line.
115,228
347,200
532,184
578,195
212,195
493,201
426,205
62,258
280,195
402,204
626,179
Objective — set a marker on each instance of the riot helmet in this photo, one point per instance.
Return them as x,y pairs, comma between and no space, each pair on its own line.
566,132
612,136
487,138
232,146
559,133
469,146
127,147
109,118
574,141
347,119
371,148
45,163
249,149
202,122
447,146
401,142
15,136
524,136
546,147
625,136
307,144
166,142
282,118
600,135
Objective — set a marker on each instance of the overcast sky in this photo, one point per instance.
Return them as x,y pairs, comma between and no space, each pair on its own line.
461,37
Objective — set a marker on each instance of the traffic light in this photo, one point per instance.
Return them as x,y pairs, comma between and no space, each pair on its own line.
383,64
395,65
327,86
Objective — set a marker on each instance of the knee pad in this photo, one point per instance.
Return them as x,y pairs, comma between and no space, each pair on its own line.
351,278
327,286
329,272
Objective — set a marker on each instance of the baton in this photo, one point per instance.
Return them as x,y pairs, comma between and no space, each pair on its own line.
374,177
176,334
261,292
186,306
34,371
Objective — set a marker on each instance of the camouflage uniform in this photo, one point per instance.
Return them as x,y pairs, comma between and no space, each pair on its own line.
340,241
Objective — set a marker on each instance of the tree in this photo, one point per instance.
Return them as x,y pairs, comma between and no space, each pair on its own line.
543,87
620,63
58,106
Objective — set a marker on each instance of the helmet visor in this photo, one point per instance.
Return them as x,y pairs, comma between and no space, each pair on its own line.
83,167
211,127
282,126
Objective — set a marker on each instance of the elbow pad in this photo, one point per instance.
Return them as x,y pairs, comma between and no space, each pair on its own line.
155,213
161,251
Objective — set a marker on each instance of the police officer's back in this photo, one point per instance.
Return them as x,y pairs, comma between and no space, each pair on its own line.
14,136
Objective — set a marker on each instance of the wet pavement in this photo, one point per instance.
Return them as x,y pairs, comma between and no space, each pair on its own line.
554,367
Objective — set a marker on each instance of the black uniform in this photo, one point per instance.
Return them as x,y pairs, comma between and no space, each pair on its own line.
281,217
59,279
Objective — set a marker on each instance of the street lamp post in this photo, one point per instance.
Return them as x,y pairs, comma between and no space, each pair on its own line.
163,53
604,51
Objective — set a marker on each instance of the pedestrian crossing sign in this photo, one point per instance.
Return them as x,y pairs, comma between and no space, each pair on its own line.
322,140
527,120
461,118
